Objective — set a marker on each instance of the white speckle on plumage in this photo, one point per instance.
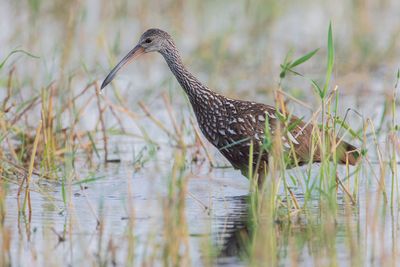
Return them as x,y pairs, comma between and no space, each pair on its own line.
272,116
292,139
215,140
221,131
240,119
231,131
261,118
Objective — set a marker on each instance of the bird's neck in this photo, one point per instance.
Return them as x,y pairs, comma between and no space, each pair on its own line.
192,86
207,105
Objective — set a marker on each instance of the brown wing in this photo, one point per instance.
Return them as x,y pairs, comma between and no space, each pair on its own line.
250,123
242,123
245,124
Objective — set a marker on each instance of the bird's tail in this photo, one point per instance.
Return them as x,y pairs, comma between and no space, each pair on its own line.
347,153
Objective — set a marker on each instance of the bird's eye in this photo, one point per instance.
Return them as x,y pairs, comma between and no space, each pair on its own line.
147,41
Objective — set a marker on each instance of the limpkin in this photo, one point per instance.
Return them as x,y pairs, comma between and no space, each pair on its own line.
233,126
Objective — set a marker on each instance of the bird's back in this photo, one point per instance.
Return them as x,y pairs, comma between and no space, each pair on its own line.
233,125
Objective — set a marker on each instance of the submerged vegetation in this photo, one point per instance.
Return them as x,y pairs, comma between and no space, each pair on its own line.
126,178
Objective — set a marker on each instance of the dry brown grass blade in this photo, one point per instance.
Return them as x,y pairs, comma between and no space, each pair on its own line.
9,87
198,137
23,170
316,113
121,108
25,110
28,177
345,190
121,125
172,115
103,126
294,199
73,100
280,91
156,121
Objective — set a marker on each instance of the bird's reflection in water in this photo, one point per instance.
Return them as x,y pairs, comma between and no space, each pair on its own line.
232,233
235,244
295,238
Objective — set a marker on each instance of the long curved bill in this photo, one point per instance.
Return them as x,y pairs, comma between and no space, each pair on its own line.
134,53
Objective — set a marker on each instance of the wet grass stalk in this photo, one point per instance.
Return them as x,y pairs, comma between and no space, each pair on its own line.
175,233
327,184
352,238
49,138
27,179
130,236
5,234
102,123
394,141
199,140
382,166
157,121
264,205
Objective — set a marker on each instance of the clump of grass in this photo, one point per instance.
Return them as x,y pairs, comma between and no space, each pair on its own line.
175,229
393,139
269,209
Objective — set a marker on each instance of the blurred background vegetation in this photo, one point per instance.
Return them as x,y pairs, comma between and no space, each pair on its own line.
236,48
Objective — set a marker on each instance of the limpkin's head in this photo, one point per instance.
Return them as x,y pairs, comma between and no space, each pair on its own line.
151,40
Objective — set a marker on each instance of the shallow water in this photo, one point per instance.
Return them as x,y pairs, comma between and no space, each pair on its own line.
216,209
108,199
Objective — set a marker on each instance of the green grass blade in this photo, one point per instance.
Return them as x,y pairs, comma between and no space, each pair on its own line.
331,55
317,89
304,58
14,52
89,180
